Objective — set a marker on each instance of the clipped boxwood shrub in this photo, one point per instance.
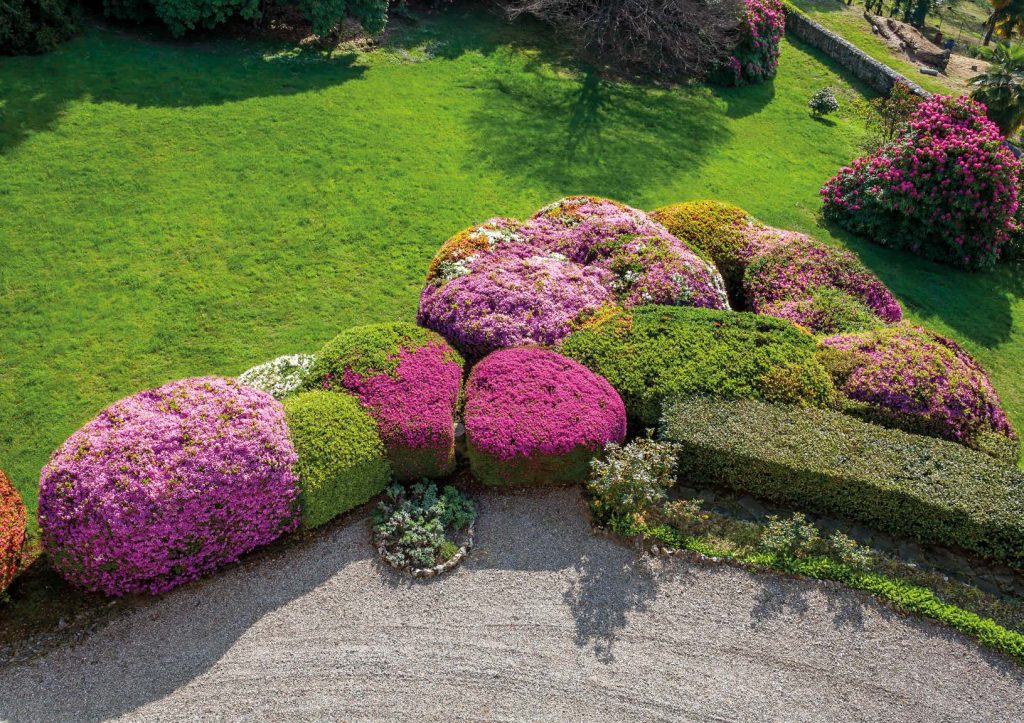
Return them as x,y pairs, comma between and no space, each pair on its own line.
409,379
168,484
922,488
35,26
718,229
13,518
783,281
535,417
657,352
911,378
341,462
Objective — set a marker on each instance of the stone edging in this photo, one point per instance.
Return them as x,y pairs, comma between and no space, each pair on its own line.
425,572
876,74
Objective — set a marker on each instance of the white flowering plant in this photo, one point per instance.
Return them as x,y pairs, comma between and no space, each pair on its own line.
279,377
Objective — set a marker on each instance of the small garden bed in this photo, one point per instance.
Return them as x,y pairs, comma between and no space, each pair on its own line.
423,533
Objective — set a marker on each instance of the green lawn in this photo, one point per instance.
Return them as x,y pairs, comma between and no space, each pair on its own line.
176,209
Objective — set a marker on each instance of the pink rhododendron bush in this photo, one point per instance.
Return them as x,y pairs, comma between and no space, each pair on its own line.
12,530
756,57
505,283
409,380
946,188
912,378
536,417
167,485
789,279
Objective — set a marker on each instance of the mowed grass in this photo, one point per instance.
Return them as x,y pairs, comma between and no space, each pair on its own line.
183,209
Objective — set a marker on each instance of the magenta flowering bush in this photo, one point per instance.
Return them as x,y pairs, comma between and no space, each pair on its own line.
780,282
513,296
167,485
409,379
755,58
651,266
912,378
946,188
536,417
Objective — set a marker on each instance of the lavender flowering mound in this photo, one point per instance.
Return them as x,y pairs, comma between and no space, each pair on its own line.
408,379
536,417
457,255
651,266
512,296
908,377
784,280
167,485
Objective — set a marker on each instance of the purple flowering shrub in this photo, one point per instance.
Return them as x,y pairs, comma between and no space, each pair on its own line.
409,379
785,282
651,266
914,379
512,298
755,58
13,518
946,188
167,485
536,417
457,254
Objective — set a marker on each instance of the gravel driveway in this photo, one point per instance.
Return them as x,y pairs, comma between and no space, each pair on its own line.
543,621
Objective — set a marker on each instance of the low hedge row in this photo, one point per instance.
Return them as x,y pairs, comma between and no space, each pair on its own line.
653,353
926,489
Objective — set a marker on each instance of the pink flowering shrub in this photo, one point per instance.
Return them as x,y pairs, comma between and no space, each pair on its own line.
756,57
946,188
779,281
457,255
536,417
513,296
167,485
409,379
12,530
650,265
914,379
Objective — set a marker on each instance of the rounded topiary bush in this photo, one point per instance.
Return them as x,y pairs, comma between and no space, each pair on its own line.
167,485
654,353
911,378
409,379
514,296
535,417
946,188
13,518
718,229
341,458
650,265
281,376
457,254
785,281
825,311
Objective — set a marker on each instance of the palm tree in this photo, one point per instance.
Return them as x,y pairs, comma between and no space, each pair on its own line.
1001,87
1007,16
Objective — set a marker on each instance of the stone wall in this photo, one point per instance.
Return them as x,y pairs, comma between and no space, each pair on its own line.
876,75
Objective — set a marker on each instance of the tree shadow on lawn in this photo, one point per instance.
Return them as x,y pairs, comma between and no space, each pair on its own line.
977,305
573,129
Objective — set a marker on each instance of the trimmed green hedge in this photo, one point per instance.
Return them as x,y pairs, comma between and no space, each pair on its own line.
341,456
656,353
926,489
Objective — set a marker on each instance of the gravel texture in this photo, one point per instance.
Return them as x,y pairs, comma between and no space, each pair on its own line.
544,620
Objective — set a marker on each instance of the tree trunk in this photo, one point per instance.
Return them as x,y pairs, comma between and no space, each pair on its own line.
988,33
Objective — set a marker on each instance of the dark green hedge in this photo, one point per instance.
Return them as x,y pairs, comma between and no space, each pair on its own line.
35,26
653,353
922,488
341,456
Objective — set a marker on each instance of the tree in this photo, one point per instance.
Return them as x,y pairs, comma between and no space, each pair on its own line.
1007,16
1001,87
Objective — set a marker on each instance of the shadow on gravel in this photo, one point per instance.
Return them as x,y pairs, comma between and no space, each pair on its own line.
791,597
149,653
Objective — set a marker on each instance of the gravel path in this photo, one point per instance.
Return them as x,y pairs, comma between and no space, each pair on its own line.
543,621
